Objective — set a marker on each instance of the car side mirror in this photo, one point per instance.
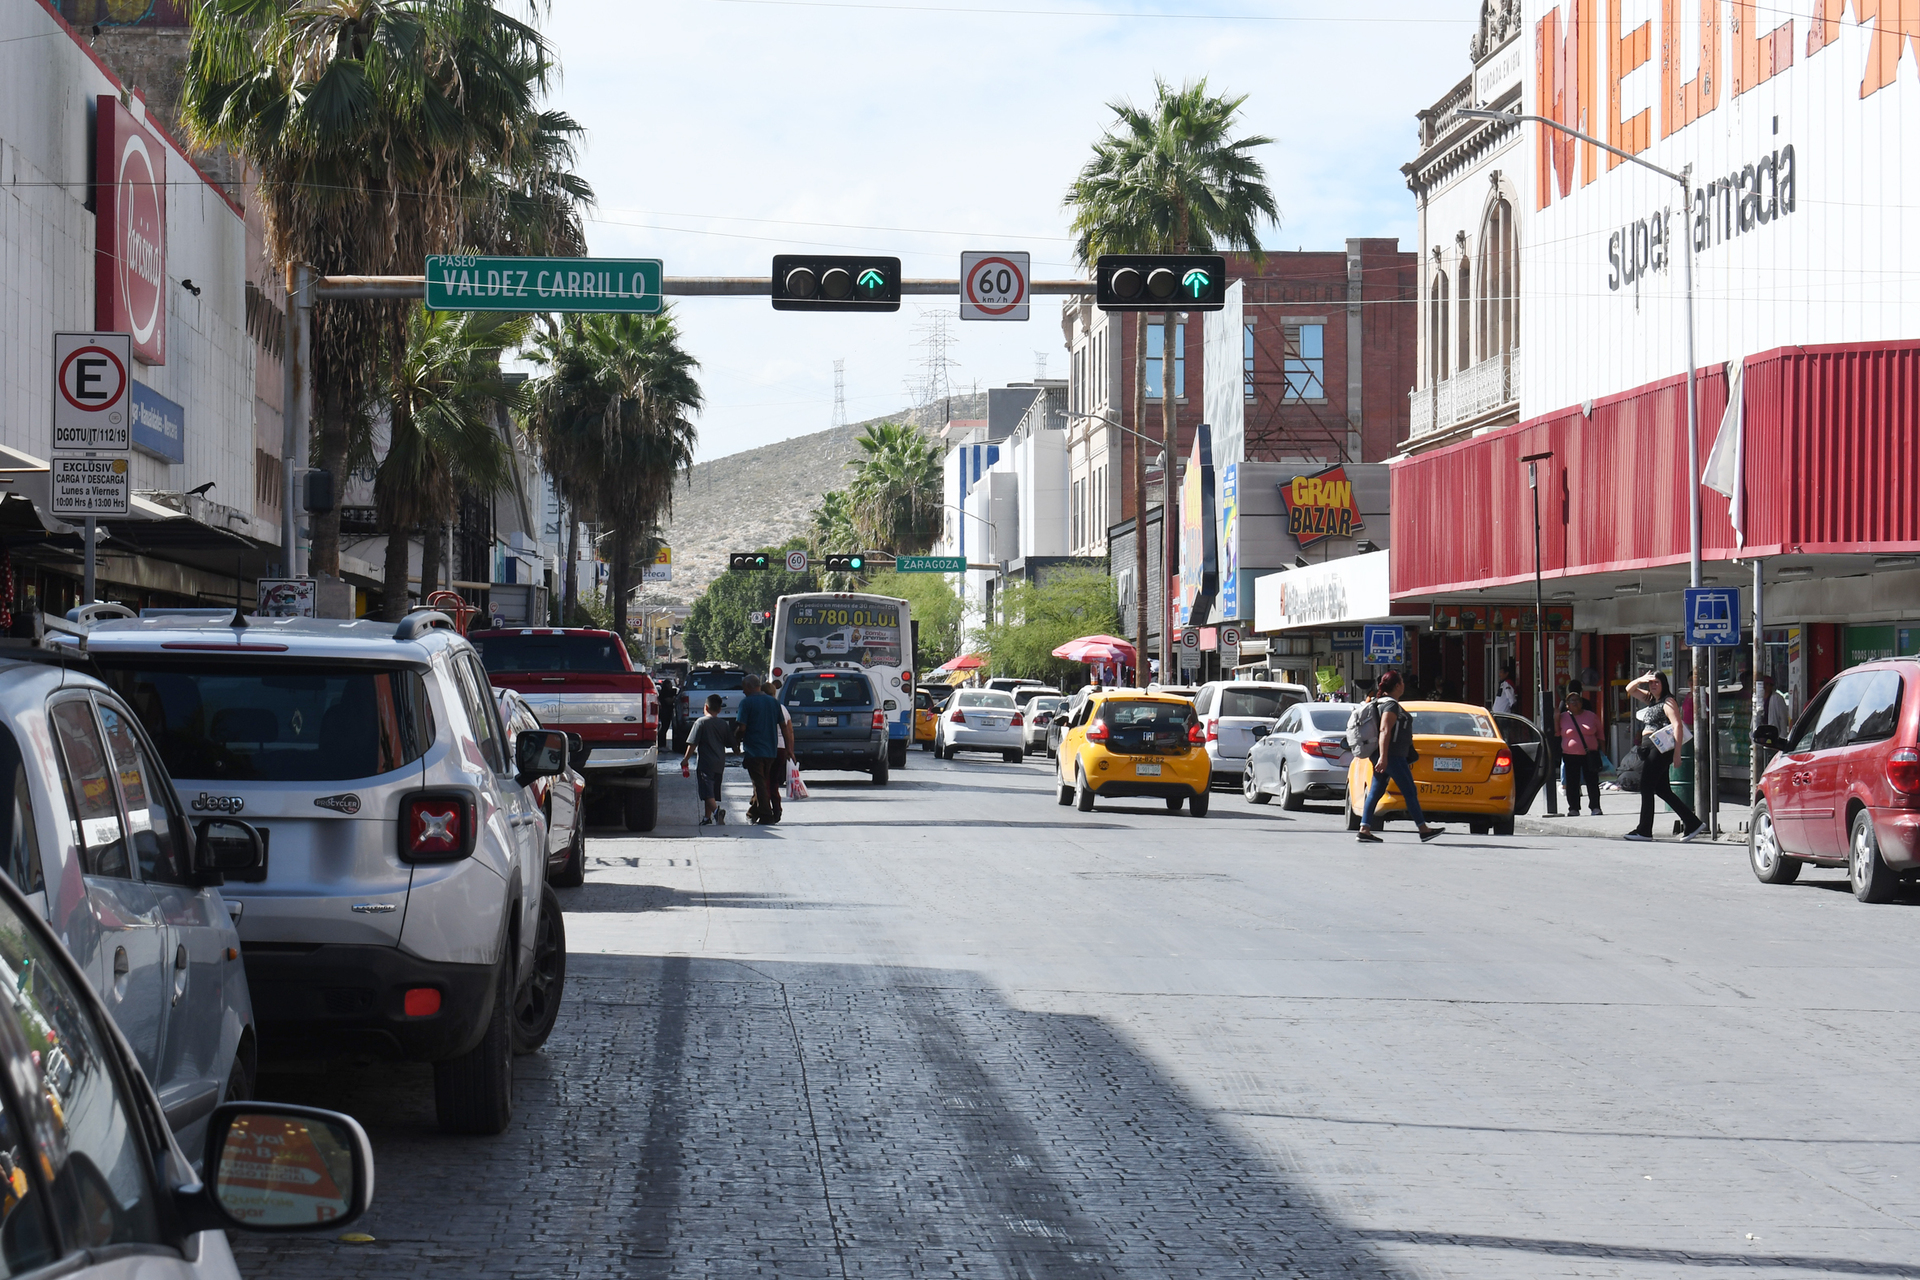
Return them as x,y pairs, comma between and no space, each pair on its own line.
221,845
539,753
1261,730
1769,737
275,1167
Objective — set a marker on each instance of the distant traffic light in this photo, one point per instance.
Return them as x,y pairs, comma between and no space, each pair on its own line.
826,282
749,560
1160,282
855,563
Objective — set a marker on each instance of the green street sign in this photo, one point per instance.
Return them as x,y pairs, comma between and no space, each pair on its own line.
930,564
544,284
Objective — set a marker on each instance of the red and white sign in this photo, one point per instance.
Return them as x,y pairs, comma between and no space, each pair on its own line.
993,286
92,392
130,255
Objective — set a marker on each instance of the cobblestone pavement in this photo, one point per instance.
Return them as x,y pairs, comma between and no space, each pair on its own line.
947,1028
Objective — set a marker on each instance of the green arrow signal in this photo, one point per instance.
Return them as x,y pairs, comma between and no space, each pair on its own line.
1197,282
871,279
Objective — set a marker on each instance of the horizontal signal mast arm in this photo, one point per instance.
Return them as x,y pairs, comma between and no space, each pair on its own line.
672,286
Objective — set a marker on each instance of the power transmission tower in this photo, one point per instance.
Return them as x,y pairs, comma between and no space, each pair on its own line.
839,393
936,340
1040,365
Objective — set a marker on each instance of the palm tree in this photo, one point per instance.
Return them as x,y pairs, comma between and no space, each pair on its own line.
445,401
365,122
895,497
612,415
1169,178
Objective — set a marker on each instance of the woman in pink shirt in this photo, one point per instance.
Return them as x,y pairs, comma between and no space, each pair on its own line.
1579,753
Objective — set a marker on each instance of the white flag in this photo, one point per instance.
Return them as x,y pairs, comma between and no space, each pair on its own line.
1725,471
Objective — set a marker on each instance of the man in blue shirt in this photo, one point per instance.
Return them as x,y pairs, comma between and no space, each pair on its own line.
762,729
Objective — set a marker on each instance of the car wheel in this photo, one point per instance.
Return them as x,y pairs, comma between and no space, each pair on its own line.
1083,794
538,1003
642,806
1066,792
1251,789
239,1081
880,775
896,753
473,1093
1872,880
1052,754
1477,828
1503,826
574,873
1290,799
1013,757
1174,803
1770,865
927,745
1353,818
1200,804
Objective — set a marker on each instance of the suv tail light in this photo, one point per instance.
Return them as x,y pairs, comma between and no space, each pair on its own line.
1199,733
1097,731
1903,770
879,719
959,716
1213,729
1503,762
1019,719
436,826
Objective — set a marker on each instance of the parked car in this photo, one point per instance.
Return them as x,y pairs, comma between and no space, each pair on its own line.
980,720
562,797
99,841
838,722
580,680
1230,710
402,909
1844,790
1128,743
1040,715
96,1185
1465,771
1304,757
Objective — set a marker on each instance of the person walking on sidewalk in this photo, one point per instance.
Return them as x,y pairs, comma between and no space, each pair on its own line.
1579,753
1663,730
761,736
1393,748
708,739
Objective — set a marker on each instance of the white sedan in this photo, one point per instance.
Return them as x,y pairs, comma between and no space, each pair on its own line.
980,720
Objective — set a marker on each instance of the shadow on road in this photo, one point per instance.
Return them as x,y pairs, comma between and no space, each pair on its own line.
713,1118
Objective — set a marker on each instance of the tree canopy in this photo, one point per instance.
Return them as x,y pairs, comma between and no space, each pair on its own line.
1038,617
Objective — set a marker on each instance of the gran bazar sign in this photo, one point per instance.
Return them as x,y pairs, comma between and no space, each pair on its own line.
1707,54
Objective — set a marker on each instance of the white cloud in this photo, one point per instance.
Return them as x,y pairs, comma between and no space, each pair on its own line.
721,133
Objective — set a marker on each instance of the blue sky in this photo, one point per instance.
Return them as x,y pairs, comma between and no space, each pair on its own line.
724,131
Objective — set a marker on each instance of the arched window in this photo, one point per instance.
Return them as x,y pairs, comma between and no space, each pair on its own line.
1439,313
1499,282
1465,360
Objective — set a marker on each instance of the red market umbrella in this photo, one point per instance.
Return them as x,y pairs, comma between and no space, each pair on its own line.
1097,649
965,662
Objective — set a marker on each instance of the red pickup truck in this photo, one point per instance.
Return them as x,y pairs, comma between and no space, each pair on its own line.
580,680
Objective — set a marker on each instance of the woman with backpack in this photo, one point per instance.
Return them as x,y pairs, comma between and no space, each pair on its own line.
1663,731
1392,731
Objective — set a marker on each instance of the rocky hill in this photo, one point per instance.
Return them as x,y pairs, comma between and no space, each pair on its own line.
764,496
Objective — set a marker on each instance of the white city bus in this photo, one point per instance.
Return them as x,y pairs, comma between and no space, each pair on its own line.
875,632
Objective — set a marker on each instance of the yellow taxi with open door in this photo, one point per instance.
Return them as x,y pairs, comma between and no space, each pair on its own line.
1464,771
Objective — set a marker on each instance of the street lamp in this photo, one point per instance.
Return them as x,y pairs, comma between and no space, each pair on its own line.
1548,735
1702,696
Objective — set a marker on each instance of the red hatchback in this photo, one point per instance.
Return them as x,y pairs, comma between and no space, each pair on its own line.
1845,789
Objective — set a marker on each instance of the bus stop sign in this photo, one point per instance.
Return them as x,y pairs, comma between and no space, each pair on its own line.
1386,644
1713,617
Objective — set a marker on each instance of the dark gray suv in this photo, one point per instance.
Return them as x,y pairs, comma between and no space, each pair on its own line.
838,723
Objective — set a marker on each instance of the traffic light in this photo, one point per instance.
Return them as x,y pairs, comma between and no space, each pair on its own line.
749,560
826,282
1160,282
855,563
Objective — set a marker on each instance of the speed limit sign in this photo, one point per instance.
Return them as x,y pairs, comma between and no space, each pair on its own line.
796,562
993,286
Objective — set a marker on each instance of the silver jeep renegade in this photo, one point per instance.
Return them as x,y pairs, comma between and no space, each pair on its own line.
402,910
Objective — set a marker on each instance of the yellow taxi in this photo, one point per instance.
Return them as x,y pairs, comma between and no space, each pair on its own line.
926,715
1465,771
1125,742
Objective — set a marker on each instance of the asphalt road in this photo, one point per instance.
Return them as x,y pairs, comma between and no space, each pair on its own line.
948,1028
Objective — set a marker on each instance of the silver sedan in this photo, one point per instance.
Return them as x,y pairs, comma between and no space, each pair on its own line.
1304,758
1041,713
980,720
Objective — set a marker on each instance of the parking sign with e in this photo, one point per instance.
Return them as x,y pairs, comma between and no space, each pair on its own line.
92,392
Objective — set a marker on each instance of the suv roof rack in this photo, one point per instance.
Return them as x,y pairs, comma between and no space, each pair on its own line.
421,621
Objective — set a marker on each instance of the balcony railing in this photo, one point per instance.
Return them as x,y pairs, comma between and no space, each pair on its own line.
1485,389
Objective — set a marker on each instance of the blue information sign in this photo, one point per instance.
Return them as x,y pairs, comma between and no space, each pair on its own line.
1386,644
1713,617
159,425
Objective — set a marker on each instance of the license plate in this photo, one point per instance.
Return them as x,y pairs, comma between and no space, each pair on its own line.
826,720
1446,764
1146,770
